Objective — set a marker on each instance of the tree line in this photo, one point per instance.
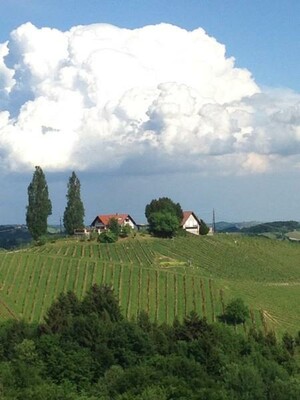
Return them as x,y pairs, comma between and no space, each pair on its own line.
163,215
86,350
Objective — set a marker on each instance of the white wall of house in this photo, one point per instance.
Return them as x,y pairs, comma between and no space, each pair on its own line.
99,225
128,221
191,225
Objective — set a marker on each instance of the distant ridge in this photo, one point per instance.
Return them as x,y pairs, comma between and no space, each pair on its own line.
223,226
273,227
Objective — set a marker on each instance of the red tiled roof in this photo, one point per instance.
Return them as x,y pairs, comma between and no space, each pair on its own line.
119,217
186,215
104,219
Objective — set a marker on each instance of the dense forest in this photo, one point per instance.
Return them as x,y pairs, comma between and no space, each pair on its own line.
86,350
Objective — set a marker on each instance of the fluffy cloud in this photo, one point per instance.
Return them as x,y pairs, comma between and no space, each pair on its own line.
99,97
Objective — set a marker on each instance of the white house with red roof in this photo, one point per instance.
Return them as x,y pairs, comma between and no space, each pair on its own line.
101,222
190,222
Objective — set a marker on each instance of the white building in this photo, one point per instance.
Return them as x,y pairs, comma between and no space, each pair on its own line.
190,222
101,222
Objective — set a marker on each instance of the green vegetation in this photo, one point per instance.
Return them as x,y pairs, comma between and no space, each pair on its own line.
114,232
39,205
86,350
114,226
276,227
14,236
164,277
164,217
107,237
74,212
236,312
204,229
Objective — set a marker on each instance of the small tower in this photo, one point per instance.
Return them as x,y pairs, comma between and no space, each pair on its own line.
214,230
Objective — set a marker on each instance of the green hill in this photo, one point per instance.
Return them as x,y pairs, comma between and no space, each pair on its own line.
276,227
13,236
165,277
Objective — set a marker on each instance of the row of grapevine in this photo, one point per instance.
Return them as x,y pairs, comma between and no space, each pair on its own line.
30,281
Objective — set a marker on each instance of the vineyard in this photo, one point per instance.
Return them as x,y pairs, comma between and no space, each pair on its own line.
166,278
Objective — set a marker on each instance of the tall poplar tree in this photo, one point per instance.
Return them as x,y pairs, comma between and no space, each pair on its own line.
39,205
74,212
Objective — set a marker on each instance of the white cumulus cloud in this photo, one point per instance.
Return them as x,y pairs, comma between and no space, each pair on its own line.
99,96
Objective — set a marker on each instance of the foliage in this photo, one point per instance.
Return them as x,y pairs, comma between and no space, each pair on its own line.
74,212
164,204
97,354
114,227
164,217
107,237
164,277
204,229
101,300
236,312
163,224
289,343
39,205
126,231
41,241
275,227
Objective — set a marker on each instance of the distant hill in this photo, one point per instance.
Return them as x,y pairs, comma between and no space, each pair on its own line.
223,226
16,235
12,236
275,229
279,227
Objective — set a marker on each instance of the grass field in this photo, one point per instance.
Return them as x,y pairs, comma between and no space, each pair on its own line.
167,278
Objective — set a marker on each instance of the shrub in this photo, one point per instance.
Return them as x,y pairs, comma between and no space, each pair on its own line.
204,229
107,237
126,231
114,226
41,241
236,312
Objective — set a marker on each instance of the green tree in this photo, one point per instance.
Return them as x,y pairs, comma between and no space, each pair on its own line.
289,343
74,212
101,301
163,224
59,316
39,205
164,217
236,312
114,227
164,204
27,366
204,229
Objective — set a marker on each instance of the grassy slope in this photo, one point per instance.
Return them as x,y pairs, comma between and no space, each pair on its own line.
164,277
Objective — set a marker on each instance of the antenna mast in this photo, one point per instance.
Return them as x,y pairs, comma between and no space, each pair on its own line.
214,222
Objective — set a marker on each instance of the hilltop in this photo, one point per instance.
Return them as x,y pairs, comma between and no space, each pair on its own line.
165,277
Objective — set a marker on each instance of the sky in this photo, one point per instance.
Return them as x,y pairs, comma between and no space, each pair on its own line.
195,100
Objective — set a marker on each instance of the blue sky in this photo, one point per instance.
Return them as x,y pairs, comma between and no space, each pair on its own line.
262,36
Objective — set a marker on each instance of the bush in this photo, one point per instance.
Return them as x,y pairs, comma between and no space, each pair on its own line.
236,312
107,237
126,231
93,236
41,241
204,229
114,226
